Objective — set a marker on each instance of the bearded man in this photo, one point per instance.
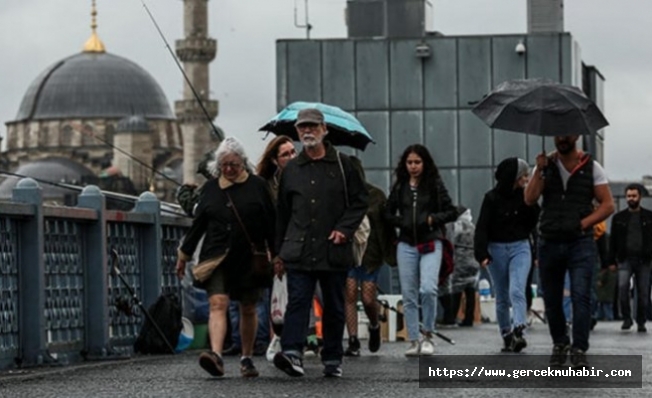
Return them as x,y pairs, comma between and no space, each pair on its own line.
568,181
631,253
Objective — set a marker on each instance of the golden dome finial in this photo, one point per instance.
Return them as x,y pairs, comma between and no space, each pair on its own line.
94,44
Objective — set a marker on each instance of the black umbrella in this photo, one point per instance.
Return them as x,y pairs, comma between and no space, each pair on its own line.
540,107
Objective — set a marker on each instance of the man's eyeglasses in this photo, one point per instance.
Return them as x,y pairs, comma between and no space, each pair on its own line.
307,126
287,154
231,165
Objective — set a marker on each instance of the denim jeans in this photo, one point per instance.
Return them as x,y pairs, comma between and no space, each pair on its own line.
641,271
262,310
578,258
605,311
301,290
509,269
568,312
419,277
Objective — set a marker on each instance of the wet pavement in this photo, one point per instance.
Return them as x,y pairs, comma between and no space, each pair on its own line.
387,373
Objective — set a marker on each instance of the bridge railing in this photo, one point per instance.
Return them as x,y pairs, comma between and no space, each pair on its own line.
59,302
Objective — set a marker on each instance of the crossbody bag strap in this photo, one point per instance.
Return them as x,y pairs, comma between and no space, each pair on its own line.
237,216
346,190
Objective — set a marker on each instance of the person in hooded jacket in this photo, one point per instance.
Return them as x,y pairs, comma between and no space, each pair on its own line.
502,244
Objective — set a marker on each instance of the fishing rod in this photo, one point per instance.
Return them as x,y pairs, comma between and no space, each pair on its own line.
386,306
217,132
132,157
113,195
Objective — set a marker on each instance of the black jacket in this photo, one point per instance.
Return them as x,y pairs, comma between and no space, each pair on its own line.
409,213
380,235
215,219
311,204
503,218
618,241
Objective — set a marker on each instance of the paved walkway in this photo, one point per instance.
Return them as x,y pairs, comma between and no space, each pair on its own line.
385,374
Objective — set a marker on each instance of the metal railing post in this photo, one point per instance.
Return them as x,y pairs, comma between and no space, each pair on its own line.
151,249
31,274
95,275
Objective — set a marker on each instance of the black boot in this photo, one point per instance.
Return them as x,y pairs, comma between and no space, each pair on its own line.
507,342
518,342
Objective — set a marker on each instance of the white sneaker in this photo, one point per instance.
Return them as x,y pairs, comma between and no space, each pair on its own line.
427,347
413,351
274,347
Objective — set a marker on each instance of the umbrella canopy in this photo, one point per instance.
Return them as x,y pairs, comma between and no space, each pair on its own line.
540,107
343,128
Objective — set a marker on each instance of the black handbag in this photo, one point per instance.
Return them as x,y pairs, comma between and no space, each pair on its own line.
261,266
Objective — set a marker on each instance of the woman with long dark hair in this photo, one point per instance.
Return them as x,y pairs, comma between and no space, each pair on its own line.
277,154
419,206
275,157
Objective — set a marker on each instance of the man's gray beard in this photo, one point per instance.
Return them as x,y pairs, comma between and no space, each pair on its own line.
311,143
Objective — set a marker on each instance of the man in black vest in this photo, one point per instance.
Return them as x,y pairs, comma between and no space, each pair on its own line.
631,249
569,181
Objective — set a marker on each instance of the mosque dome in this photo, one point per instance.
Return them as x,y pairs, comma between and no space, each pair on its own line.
54,169
94,84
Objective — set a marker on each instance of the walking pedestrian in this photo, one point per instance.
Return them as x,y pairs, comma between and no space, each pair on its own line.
236,213
321,202
631,253
569,180
276,155
365,275
502,244
419,206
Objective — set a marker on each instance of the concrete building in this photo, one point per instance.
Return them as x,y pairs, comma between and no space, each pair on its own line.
408,84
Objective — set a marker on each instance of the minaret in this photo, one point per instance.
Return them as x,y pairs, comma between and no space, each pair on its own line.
196,52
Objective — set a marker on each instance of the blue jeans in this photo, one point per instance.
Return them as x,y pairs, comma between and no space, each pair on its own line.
509,269
360,274
419,276
301,290
568,312
578,258
605,311
262,310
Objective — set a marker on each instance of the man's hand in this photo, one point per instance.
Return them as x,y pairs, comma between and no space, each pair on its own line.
430,221
613,267
542,161
584,224
485,262
181,268
337,237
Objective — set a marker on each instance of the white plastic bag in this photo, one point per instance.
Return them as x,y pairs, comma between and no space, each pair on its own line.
279,299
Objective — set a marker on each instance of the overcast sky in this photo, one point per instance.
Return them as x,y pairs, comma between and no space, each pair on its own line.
36,33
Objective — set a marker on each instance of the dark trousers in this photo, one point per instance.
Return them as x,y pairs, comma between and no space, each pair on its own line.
578,258
641,271
451,305
301,288
648,313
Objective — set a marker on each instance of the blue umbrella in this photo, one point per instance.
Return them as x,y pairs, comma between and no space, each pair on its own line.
343,128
